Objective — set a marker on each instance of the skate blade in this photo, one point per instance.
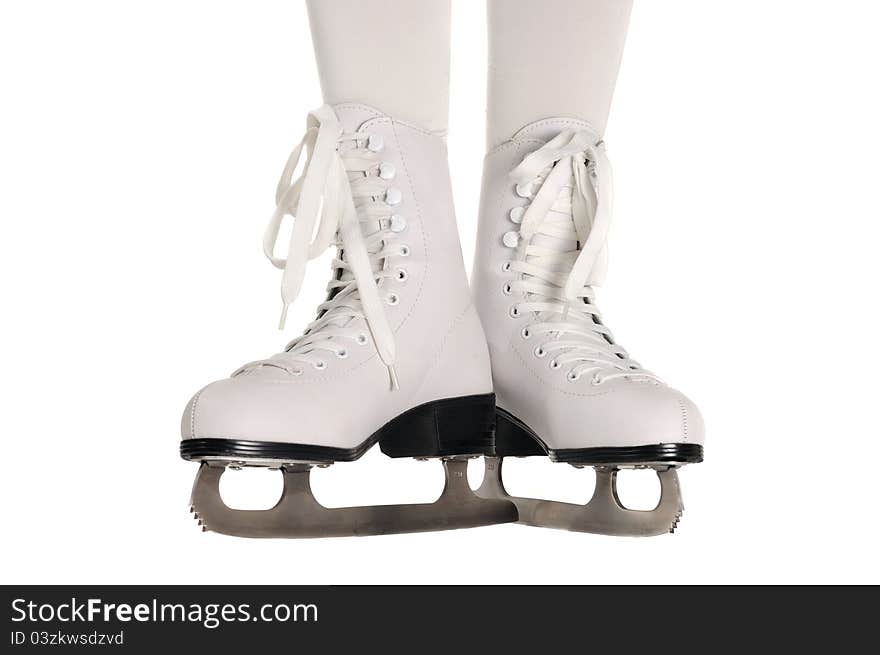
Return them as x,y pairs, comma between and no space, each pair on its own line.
297,514
603,514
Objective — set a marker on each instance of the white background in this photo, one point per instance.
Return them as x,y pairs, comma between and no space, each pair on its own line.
139,147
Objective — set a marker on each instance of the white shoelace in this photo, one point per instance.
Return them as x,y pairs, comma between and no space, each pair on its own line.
560,254
344,198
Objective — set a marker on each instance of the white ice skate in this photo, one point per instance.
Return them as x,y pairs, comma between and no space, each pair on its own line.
396,355
564,388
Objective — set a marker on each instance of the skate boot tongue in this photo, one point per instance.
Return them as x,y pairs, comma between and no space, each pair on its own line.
341,199
560,250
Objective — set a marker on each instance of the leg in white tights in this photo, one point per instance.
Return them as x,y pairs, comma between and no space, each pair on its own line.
390,54
552,58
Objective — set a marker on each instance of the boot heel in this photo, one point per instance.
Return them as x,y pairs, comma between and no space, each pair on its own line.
442,428
512,438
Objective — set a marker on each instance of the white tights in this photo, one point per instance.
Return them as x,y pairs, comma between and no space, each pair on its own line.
546,58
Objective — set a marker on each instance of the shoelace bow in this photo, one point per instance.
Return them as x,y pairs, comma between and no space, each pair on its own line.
322,201
572,176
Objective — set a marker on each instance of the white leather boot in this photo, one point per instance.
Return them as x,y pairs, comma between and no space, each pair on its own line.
564,388
396,355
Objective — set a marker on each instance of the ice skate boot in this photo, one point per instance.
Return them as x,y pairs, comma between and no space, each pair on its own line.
396,354
564,388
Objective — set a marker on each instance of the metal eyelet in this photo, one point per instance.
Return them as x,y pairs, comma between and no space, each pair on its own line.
392,299
526,333
404,251
375,143
362,339
397,223
320,365
524,190
506,289
540,352
555,365
387,170
505,267
402,275
572,376
342,354
514,312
